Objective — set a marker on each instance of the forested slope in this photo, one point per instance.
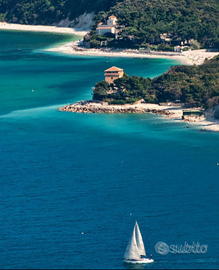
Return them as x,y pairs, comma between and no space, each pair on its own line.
185,19
193,85
145,19
49,11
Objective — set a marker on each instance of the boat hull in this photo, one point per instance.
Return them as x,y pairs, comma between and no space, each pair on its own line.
142,261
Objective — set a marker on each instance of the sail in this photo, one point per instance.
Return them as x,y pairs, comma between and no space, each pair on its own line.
132,252
139,240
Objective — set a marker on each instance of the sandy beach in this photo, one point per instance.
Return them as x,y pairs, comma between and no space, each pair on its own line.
196,57
187,58
73,48
42,28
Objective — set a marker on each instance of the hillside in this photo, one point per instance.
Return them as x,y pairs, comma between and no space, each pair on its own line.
181,20
49,12
193,85
144,20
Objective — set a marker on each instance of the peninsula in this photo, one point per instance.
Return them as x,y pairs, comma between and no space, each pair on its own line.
187,93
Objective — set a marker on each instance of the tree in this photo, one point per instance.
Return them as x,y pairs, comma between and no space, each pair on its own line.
100,91
195,45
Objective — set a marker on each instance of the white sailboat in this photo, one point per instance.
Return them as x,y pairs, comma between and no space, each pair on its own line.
135,251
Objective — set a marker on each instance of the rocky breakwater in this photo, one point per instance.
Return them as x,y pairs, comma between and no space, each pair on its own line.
90,106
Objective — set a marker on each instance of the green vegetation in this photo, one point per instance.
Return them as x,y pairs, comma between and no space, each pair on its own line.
142,21
182,20
142,24
124,90
193,85
49,11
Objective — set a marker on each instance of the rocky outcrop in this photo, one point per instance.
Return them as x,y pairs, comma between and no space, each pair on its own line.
90,106
83,22
193,118
212,112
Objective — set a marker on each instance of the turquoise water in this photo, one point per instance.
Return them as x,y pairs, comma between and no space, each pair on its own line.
72,185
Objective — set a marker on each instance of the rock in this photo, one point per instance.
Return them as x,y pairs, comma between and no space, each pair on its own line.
90,106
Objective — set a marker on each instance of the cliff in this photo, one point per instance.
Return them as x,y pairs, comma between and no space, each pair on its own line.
212,112
82,22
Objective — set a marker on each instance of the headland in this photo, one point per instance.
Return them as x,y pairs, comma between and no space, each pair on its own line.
197,57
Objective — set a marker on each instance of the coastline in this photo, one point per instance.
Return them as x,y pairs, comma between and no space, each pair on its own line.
73,49
42,28
196,57
170,112
187,58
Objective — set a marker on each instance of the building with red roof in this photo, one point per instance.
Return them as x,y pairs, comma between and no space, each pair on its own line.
113,73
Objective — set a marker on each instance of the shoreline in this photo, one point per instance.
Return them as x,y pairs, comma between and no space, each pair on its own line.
196,57
43,28
187,58
73,49
170,112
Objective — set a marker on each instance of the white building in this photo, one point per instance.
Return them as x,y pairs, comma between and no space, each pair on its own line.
177,48
110,27
103,29
112,21
180,48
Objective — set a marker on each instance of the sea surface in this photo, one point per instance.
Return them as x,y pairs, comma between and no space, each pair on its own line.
73,185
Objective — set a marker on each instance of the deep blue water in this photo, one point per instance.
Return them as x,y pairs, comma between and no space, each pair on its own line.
72,185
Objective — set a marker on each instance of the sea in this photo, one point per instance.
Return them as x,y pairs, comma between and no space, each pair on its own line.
73,185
